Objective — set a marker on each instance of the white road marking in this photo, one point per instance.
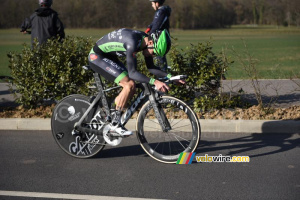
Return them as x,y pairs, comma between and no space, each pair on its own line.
63,196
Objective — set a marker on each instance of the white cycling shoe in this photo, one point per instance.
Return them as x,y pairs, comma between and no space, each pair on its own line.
115,126
120,130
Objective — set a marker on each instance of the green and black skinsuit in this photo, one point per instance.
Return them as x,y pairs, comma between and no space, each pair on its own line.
103,57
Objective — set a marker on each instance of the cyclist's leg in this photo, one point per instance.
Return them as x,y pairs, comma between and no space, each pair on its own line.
113,70
107,67
126,93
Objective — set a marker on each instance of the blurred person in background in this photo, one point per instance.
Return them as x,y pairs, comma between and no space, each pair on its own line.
44,24
159,23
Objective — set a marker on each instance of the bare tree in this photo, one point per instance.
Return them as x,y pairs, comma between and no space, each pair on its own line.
186,14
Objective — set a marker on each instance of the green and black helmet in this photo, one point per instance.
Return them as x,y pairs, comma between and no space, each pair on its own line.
161,42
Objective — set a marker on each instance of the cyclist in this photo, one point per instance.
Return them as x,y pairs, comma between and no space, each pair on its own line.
103,59
160,22
44,23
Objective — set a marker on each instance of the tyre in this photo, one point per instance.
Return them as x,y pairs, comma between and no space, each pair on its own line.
184,135
77,144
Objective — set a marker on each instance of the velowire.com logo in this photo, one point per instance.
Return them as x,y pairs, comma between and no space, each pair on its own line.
187,158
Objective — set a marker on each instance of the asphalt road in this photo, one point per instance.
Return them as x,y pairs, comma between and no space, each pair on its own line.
30,161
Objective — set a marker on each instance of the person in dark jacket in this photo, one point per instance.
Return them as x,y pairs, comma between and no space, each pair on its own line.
159,23
44,23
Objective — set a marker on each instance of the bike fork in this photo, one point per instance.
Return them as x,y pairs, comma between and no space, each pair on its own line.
159,113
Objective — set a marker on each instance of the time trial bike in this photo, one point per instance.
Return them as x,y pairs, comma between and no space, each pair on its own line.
165,127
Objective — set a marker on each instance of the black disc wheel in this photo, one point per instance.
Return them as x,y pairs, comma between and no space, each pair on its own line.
77,144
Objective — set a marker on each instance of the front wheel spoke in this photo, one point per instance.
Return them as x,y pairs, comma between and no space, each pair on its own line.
156,146
173,128
153,121
171,143
179,140
172,120
152,128
177,123
174,135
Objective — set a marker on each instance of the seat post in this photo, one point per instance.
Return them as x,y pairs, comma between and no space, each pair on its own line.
98,81
102,94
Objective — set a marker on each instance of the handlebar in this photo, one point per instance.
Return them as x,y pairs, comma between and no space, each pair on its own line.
179,77
173,78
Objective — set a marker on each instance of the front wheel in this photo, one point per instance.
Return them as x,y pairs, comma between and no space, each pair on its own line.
184,135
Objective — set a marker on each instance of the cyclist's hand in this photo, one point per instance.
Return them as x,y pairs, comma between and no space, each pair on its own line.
160,86
179,82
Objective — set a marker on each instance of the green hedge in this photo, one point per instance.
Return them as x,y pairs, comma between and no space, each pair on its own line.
51,71
205,72
55,71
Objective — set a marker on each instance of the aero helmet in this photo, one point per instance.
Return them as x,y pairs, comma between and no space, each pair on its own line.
47,3
161,42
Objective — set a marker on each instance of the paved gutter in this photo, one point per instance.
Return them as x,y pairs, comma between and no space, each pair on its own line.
209,125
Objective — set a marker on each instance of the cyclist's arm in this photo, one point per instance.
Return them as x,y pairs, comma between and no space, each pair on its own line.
154,69
131,67
161,86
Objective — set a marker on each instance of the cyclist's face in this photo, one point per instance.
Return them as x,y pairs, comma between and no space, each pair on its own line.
149,50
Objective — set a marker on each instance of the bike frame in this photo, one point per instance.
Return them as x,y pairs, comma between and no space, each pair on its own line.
148,93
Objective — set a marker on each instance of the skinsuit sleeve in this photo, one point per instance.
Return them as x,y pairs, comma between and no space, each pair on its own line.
132,71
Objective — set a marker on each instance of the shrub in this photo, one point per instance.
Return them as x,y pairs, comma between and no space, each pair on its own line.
51,71
55,71
205,71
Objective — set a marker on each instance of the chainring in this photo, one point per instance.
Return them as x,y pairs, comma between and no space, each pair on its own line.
109,139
